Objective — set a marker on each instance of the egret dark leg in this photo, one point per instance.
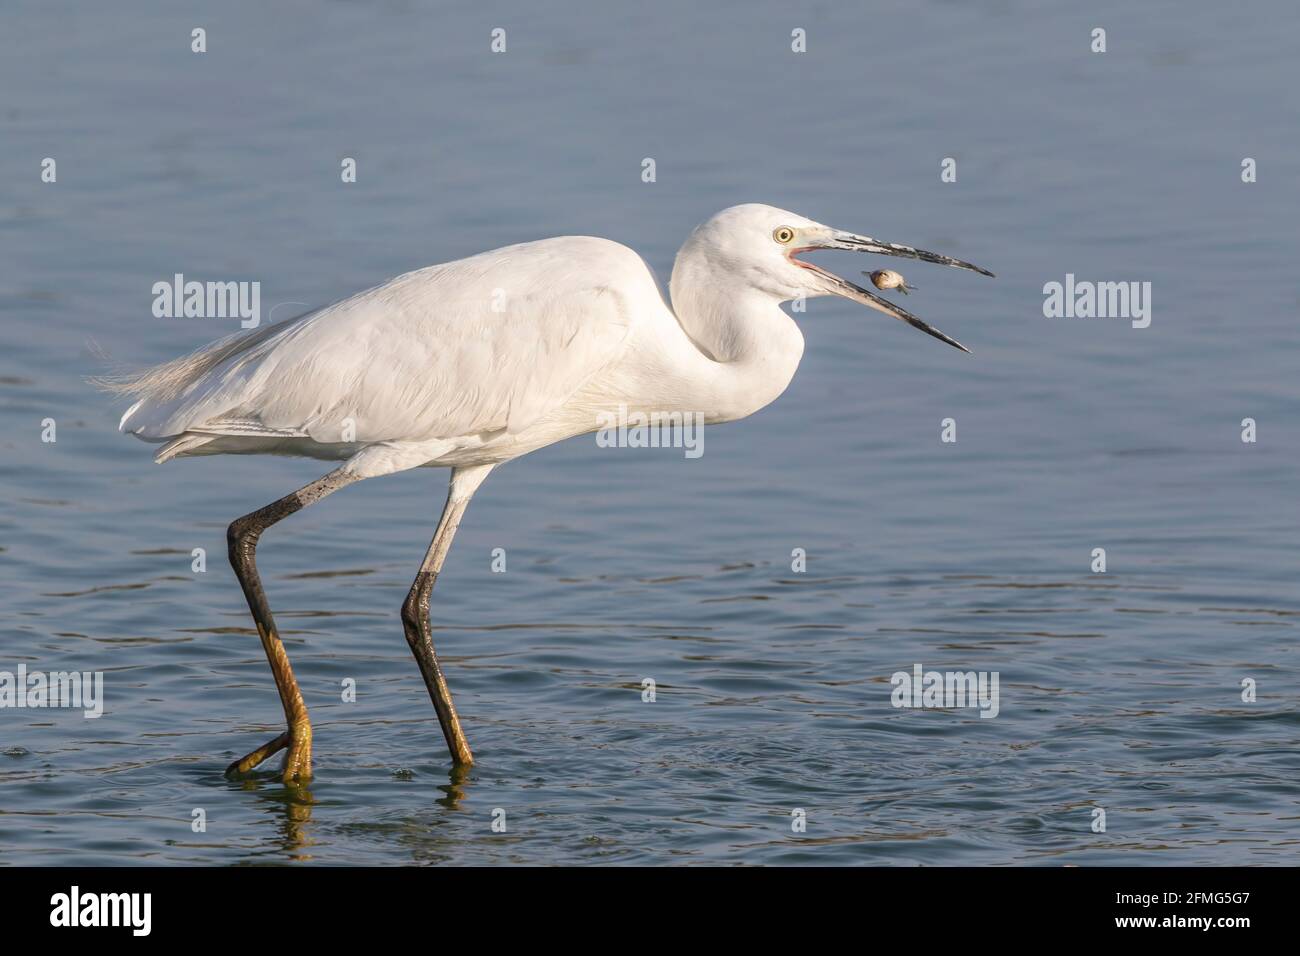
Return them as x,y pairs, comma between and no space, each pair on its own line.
415,610
242,538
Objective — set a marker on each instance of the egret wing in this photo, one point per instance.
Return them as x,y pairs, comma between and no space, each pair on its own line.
482,345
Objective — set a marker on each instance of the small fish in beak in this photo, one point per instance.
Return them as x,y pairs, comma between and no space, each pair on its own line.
888,279
851,242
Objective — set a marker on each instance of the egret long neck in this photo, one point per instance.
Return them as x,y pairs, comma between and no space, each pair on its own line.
747,349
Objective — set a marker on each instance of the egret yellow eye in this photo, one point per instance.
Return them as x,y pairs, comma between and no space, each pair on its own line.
783,234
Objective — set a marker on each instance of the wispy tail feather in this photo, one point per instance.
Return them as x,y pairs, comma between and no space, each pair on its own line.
161,383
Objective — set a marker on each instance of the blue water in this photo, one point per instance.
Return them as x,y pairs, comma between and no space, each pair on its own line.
1119,690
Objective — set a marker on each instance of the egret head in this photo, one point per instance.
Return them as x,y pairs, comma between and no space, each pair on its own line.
759,245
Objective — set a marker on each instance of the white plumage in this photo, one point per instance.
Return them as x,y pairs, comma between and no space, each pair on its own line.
461,353
487,357
474,362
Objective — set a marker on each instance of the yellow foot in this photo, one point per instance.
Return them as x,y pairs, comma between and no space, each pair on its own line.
297,760
249,761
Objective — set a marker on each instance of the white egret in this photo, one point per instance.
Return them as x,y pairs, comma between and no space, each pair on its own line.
472,363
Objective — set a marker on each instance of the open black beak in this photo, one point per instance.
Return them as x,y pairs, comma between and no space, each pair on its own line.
851,290
852,243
